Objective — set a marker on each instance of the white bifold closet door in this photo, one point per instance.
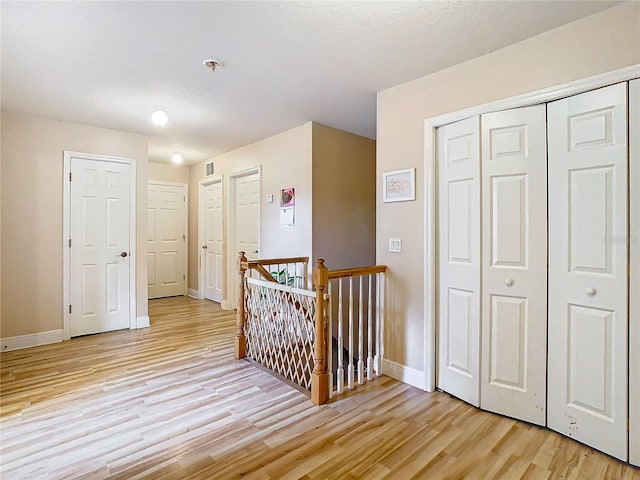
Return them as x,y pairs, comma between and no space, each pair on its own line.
588,239
459,259
514,263
634,293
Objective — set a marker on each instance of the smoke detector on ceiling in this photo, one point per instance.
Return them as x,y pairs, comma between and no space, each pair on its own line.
212,64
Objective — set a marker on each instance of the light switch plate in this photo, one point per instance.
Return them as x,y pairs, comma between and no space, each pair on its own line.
395,245
270,198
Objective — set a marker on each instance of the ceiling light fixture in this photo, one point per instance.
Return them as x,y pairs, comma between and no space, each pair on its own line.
159,118
212,64
176,158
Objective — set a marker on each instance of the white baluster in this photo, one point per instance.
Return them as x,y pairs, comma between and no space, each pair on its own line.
360,337
350,369
330,340
382,312
340,372
305,275
370,336
376,359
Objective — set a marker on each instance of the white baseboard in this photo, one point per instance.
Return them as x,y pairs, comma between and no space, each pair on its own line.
143,322
403,373
31,340
193,293
225,305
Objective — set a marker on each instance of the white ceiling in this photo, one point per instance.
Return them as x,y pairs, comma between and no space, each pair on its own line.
285,63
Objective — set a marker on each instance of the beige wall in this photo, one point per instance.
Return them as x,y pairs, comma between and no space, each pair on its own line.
165,172
0,228
32,194
333,173
286,162
344,193
596,44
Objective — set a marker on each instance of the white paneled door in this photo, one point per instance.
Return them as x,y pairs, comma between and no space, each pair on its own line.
246,205
459,259
514,263
167,239
588,240
634,294
99,255
213,244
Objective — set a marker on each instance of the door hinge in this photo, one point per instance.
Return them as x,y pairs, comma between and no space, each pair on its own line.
184,238
184,277
69,176
69,243
70,309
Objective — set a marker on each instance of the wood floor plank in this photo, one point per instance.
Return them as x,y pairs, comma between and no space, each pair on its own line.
171,403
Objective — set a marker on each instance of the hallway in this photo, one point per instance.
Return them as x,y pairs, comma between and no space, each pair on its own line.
170,402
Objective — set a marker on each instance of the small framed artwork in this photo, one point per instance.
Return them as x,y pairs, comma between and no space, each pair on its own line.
287,207
287,197
399,185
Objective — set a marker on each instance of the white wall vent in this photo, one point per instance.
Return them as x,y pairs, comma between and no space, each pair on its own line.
210,168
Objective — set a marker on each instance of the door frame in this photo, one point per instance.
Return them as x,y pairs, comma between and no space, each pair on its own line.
201,235
430,181
232,256
186,225
66,232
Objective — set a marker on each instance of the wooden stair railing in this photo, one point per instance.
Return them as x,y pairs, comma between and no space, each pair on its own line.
241,341
321,376
364,314
322,382
259,267
244,266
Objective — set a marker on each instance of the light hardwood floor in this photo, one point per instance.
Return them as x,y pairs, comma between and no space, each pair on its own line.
170,402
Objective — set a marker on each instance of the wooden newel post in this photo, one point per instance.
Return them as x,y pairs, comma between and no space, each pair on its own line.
241,350
320,377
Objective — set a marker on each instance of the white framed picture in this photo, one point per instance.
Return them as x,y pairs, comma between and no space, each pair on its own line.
399,185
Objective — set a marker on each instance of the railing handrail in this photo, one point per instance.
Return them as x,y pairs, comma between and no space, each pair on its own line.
355,272
274,261
258,265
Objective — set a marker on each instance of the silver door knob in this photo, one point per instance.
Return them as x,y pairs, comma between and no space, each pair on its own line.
123,254
509,281
591,291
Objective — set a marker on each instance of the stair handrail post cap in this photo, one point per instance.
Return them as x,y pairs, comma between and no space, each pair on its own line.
320,275
242,261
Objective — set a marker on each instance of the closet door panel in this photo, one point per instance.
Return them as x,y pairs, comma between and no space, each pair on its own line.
634,270
514,259
588,238
459,259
